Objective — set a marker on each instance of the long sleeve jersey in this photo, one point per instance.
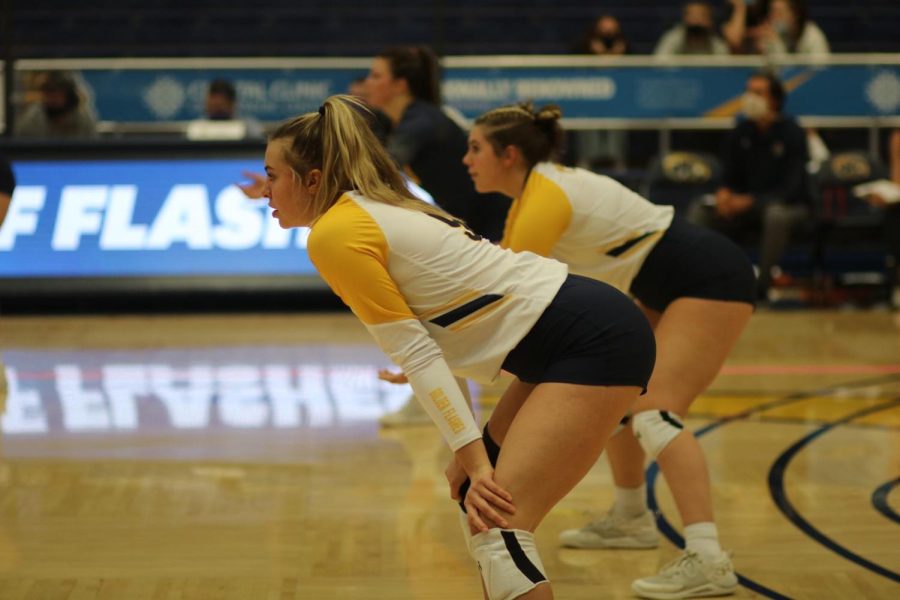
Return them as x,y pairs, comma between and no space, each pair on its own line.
594,224
434,296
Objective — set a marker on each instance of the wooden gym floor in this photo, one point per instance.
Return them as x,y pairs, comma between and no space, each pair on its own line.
239,457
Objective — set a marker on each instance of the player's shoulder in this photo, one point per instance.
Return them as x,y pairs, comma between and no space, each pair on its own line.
347,221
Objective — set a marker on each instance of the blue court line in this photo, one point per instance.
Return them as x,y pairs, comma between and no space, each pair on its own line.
879,500
776,488
653,470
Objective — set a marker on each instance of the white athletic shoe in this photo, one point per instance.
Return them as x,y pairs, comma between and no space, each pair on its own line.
689,576
409,414
614,532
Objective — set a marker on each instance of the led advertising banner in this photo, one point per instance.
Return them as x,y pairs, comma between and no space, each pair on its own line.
143,218
635,88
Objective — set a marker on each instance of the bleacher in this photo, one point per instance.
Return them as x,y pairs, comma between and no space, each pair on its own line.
128,28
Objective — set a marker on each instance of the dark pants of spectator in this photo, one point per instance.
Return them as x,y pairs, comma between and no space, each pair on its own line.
774,220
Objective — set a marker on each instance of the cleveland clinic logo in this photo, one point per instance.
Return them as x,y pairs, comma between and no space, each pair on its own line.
165,97
883,92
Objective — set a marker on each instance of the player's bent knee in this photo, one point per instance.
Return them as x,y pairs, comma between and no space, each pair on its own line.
508,561
655,429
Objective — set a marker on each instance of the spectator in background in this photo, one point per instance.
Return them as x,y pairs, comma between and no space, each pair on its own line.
788,30
221,101
604,38
696,34
220,116
744,17
601,148
766,190
61,112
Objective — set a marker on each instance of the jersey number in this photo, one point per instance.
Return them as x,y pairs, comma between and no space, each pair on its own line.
457,223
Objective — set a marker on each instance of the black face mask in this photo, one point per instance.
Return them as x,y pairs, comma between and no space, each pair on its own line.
697,30
609,40
219,116
55,112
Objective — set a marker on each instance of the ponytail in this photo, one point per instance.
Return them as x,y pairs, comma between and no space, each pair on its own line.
537,134
338,141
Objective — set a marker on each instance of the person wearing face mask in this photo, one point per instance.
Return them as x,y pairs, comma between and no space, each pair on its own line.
766,191
695,34
601,148
61,111
788,30
603,38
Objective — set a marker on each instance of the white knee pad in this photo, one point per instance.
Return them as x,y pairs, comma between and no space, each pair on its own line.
655,429
467,533
508,561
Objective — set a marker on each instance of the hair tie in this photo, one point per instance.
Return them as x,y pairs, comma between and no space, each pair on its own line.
322,110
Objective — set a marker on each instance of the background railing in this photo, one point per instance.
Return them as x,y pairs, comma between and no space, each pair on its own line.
161,95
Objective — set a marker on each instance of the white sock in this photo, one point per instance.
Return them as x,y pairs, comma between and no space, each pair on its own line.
703,538
630,502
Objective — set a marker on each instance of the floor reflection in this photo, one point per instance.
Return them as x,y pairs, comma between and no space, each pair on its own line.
236,388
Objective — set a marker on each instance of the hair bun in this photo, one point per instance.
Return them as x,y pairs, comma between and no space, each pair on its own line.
551,112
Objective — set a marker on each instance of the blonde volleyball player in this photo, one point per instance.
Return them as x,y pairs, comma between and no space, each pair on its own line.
441,302
694,286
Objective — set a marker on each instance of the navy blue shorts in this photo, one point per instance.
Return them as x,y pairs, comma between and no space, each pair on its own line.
590,334
690,261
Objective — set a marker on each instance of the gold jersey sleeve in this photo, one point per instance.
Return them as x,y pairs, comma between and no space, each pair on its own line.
351,253
537,219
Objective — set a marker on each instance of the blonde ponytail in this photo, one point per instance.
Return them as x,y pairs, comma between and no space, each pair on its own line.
338,141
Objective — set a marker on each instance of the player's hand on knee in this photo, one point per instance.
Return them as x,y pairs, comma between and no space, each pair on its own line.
391,377
484,501
456,476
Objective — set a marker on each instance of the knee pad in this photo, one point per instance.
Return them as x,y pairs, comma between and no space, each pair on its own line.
655,429
508,561
467,533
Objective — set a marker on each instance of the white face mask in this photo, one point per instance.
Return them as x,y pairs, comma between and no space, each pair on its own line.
754,106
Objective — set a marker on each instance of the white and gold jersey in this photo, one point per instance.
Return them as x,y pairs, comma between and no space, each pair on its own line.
432,294
594,224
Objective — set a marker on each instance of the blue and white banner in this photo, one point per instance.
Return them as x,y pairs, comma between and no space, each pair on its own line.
178,95
143,218
585,88
669,92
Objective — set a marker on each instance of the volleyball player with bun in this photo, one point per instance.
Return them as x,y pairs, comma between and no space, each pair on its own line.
696,289
441,301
